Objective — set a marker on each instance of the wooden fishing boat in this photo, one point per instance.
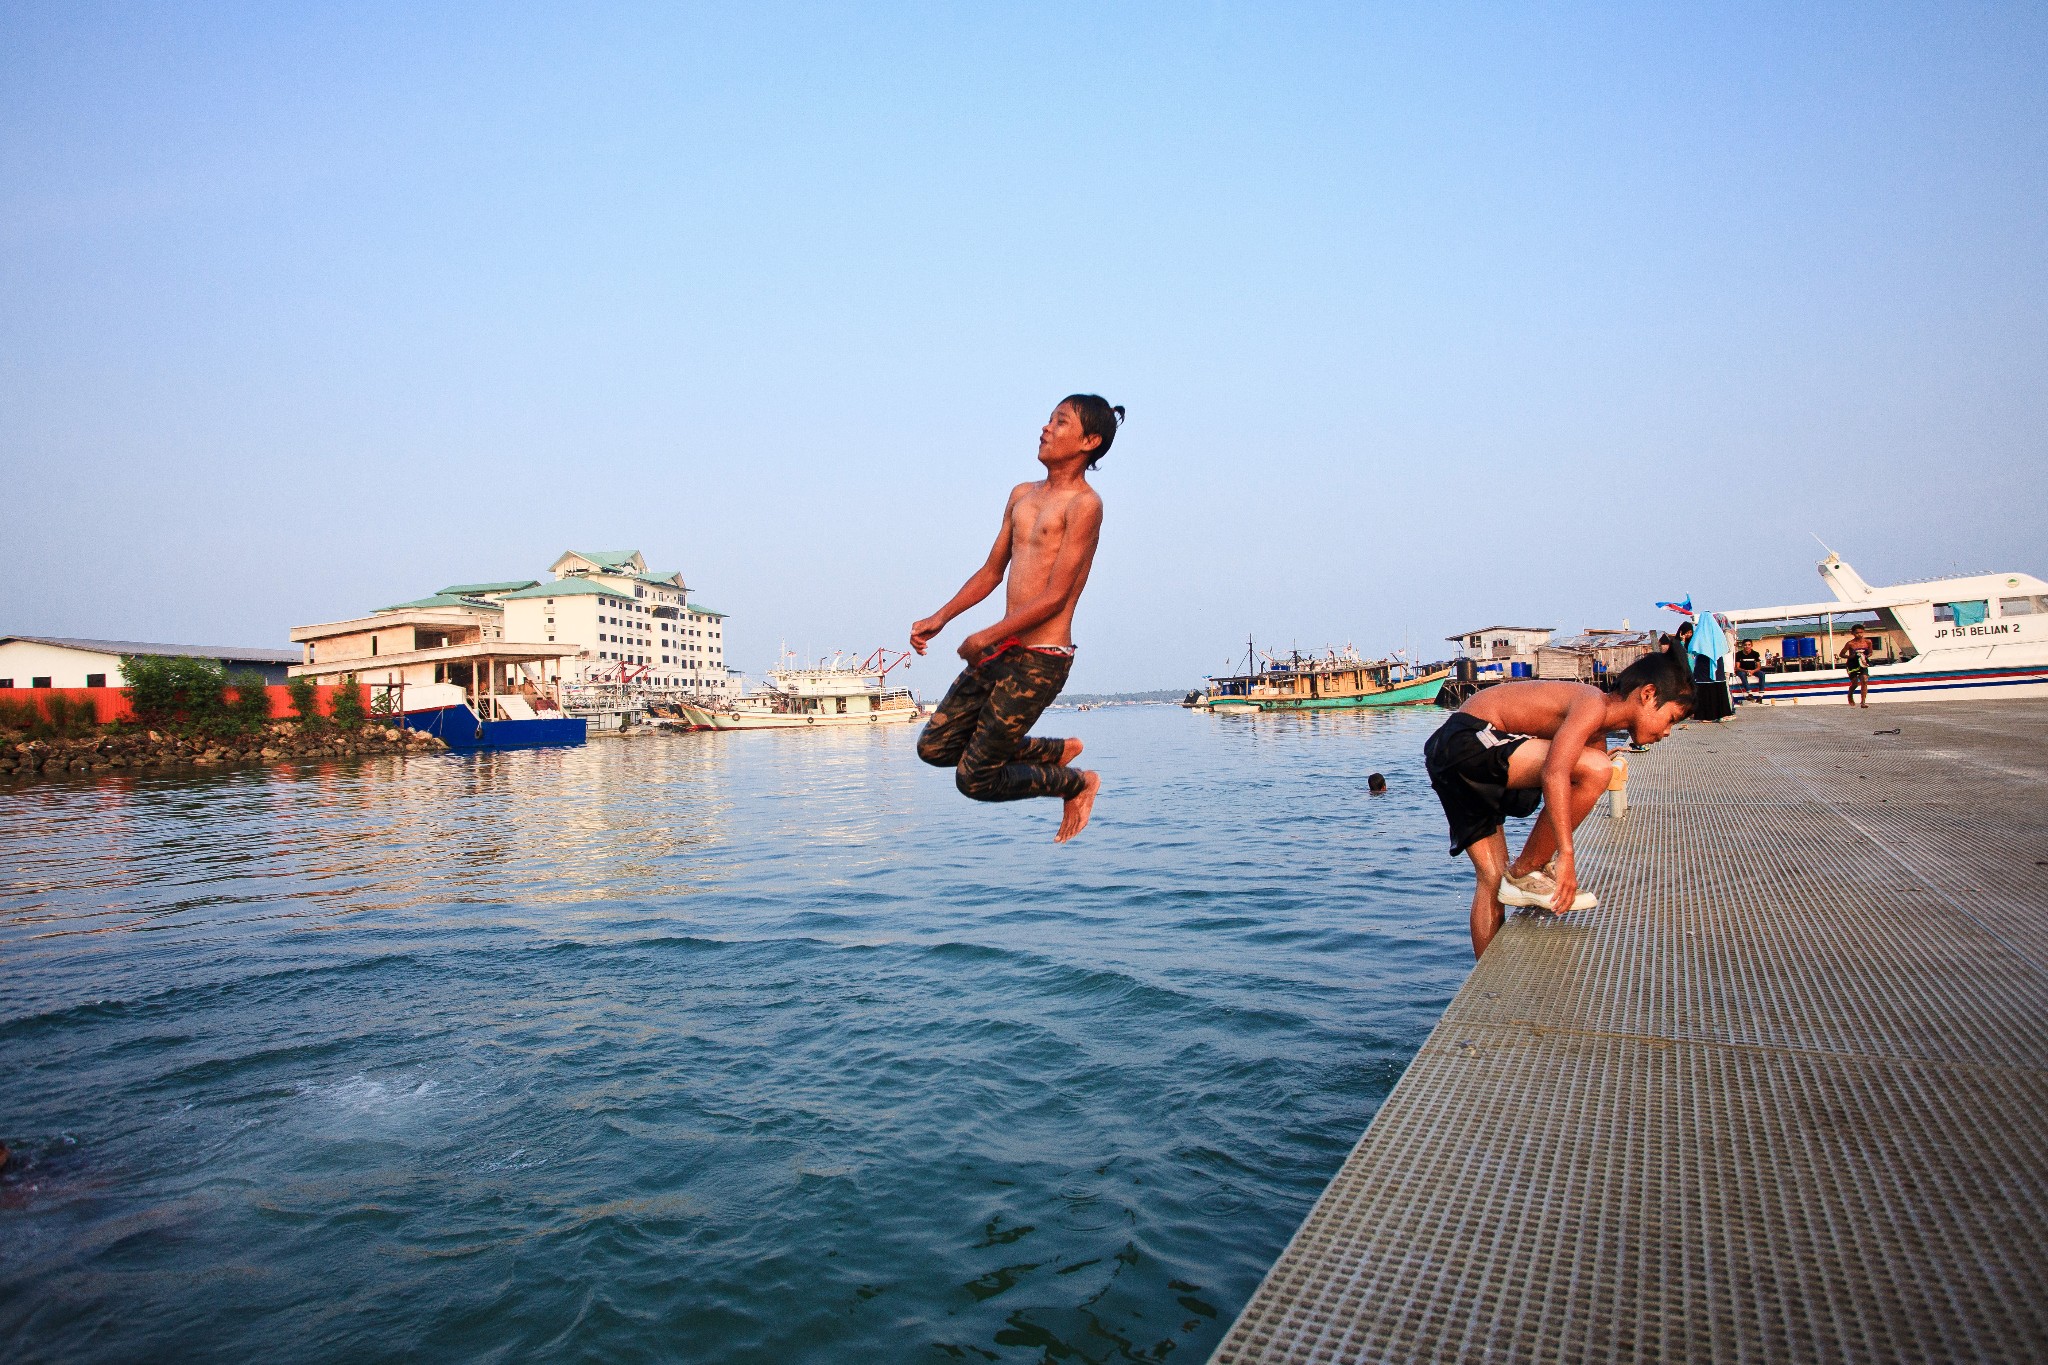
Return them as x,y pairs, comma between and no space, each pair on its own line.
1337,680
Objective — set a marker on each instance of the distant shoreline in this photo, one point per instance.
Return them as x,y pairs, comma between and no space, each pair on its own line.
1163,694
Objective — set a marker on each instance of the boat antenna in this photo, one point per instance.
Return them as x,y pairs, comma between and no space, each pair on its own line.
1822,543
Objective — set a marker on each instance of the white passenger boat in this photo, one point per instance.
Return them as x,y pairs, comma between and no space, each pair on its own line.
834,692
477,718
1981,635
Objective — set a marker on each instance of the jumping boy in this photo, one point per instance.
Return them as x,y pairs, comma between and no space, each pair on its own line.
1516,744
1017,666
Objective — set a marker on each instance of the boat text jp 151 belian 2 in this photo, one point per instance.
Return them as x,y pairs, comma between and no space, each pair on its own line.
1977,636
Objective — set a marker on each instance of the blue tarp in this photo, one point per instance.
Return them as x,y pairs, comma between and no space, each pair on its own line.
1709,642
1969,613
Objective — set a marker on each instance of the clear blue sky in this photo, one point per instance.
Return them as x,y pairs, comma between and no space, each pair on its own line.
1427,317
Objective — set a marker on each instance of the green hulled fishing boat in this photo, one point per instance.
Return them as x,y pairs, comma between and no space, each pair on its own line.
1335,681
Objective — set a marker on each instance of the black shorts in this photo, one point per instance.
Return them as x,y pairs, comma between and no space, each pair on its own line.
1468,766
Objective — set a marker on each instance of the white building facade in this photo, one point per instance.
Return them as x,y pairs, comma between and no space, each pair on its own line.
62,661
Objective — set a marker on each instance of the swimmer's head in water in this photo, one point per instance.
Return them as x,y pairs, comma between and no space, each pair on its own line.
1084,419
1376,783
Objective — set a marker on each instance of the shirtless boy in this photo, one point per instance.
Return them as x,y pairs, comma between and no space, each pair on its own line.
1520,743
1017,666
1856,657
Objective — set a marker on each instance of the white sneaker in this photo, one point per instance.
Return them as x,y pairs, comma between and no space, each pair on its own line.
1538,891
1584,900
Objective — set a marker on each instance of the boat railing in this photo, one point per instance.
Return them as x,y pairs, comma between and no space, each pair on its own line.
1820,665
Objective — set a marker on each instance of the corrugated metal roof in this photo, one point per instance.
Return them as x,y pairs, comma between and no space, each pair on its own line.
706,611
1608,639
442,599
567,587
228,653
471,589
1481,630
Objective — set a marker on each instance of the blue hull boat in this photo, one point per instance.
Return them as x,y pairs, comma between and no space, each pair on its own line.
460,728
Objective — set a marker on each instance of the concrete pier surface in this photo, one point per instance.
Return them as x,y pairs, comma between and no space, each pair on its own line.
1783,1096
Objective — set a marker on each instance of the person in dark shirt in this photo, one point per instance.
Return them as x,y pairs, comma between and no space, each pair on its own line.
1749,671
1856,654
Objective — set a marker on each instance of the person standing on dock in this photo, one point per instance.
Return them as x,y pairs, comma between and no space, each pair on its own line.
1856,655
1018,665
1520,744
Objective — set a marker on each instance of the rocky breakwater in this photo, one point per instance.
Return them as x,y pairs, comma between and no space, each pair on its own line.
149,749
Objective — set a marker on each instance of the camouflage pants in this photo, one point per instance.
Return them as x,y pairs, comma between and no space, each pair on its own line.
979,729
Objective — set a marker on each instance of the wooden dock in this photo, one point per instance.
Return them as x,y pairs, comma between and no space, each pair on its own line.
1784,1096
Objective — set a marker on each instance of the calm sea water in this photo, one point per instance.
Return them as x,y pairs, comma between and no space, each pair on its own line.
760,1047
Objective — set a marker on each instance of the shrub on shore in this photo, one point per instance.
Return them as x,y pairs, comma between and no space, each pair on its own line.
249,712
71,715
57,717
305,695
166,692
345,703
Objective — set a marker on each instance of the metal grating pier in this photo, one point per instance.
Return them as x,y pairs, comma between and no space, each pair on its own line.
1784,1096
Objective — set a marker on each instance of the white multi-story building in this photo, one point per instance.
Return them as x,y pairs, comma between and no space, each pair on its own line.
604,621
635,628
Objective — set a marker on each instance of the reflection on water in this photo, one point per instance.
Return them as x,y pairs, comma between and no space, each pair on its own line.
710,1047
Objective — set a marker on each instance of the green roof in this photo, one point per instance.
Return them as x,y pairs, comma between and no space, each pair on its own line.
472,589
567,587
443,599
659,580
707,611
611,559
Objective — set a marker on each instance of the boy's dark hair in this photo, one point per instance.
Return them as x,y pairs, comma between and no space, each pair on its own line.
1665,671
1098,418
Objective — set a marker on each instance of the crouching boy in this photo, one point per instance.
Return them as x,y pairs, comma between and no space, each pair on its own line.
1519,745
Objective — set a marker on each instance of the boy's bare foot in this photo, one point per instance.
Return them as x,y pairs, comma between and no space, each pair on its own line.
1070,753
1079,808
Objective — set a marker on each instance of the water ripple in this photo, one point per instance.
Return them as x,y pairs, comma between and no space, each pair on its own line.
712,1047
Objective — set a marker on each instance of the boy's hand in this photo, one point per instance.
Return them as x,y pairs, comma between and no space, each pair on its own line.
976,645
921,632
1567,882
